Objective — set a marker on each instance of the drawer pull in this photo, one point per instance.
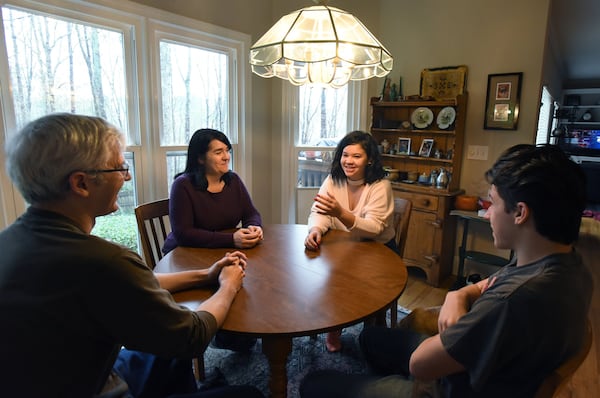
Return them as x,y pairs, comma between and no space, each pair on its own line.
434,258
436,224
425,202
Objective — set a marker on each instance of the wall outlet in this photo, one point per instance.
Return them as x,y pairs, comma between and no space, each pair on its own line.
477,152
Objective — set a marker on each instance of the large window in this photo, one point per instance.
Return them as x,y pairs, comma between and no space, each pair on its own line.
195,83
545,122
322,121
57,64
323,116
84,58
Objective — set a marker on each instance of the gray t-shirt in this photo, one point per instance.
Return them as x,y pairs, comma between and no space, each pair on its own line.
528,322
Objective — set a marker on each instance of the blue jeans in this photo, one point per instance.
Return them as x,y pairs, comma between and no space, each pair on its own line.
149,376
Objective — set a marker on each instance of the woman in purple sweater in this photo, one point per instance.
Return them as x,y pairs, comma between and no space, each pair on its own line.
208,201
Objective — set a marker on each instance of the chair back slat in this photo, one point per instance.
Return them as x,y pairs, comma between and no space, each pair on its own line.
402,209
154,226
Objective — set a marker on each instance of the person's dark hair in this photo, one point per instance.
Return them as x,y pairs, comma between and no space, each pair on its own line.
552,185
197,149
374,170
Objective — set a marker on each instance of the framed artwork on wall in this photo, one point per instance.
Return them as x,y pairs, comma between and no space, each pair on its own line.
502,101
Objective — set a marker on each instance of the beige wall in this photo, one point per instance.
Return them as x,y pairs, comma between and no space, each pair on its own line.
489,37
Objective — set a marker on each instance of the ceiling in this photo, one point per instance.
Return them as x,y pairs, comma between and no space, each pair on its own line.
576,26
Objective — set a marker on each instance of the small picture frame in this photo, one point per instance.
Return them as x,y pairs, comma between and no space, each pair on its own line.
426,146
502,102
403,146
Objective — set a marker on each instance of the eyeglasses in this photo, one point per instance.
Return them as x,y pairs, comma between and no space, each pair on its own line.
124,170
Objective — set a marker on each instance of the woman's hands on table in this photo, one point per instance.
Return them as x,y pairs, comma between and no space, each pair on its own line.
313,239
245,238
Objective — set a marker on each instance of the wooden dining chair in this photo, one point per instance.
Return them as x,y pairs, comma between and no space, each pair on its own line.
402,209
154,226
556,381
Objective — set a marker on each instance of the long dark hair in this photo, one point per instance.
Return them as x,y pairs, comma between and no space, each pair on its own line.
197,149
374,170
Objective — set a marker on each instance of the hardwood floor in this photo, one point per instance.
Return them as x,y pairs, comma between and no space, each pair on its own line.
420,294
585,382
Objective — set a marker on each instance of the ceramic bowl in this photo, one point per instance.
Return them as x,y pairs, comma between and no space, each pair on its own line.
466,202
392,174
412,176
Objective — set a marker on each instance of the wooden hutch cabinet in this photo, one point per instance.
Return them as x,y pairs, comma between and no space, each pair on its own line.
431,233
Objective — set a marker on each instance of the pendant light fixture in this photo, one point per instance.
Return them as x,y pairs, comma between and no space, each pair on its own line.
320,45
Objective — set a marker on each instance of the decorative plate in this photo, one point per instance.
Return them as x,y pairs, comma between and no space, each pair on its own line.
446,117
422,117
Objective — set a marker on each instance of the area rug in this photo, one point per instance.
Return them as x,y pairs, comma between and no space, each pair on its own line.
307,355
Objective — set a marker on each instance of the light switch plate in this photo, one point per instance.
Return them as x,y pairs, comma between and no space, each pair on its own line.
477,152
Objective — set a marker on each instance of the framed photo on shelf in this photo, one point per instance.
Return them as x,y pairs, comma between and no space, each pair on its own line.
403,146
502,101
426,146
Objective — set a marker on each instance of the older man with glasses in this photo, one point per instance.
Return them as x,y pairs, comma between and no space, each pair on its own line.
69,300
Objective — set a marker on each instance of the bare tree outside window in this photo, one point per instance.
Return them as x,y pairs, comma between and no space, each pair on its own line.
194,91
323,120
61,66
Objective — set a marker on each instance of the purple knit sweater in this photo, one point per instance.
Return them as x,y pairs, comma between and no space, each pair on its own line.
199,217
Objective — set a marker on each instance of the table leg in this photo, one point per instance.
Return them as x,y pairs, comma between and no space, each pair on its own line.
277,350
462,252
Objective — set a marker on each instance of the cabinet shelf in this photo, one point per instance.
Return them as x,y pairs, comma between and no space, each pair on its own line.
414,104
417,158
567,123
412,131
580,107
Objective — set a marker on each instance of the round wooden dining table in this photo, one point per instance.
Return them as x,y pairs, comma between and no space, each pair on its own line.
289,291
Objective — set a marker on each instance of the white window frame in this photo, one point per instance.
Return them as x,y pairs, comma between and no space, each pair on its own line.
357,117
239,120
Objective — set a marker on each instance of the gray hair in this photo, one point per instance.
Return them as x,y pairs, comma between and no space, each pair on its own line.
42,156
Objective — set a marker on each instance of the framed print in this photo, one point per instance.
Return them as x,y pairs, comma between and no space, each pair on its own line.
403,146
426,146
502,101
443,83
